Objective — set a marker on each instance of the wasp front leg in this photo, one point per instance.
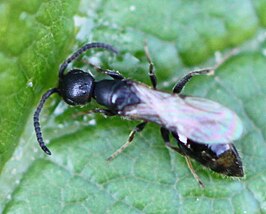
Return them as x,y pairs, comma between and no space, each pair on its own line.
114,74
104,112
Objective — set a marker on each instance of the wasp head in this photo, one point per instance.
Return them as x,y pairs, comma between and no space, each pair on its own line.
76,87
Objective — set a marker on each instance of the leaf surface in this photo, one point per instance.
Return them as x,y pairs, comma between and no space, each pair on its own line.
35,37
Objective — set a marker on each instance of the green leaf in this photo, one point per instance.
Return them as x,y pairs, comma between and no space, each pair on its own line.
35,37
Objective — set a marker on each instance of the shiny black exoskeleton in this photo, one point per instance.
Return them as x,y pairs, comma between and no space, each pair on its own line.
115,94
127,98
78,88
221,158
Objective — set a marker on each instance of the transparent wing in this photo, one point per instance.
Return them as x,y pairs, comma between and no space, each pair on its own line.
205,121
198,119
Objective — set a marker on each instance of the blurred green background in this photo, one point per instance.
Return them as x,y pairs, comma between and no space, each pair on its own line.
36,36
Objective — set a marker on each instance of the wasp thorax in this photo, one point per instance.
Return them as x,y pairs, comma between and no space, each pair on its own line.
76,87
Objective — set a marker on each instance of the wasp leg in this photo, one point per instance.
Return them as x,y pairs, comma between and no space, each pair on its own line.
166,137
151,67
208,71
131,136
113,74
190,166
104,112
180,85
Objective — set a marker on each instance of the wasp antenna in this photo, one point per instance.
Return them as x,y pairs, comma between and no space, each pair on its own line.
36,119
83,49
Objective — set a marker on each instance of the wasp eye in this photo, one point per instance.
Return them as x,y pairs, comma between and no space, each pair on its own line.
76,87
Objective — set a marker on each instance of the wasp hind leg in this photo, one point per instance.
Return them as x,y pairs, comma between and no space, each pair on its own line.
166,137
190,166
131,136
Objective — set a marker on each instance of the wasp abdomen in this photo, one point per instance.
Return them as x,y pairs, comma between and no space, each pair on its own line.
222,158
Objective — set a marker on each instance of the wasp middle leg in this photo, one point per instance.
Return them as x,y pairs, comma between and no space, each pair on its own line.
151,67
205,71
131,136
180,85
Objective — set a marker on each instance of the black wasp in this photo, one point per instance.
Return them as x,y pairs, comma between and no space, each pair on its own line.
204,130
